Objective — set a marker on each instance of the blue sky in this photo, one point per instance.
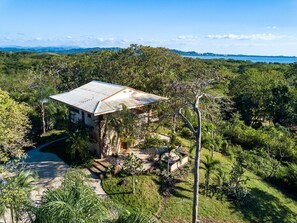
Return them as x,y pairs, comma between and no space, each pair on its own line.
260,27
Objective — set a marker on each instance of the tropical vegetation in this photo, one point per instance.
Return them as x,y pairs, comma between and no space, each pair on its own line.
243,113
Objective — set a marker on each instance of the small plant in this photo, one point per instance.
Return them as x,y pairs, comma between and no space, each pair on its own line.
133,166
235,187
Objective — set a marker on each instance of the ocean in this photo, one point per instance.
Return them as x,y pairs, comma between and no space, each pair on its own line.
265,59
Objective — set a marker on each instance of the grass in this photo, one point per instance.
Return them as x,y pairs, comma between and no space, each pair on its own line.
179,206
267,204
146,198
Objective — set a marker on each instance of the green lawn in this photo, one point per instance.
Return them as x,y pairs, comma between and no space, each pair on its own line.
146,198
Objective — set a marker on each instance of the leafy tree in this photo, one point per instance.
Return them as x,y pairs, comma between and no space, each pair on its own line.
14,126
168,155
262,96
291,176
133,165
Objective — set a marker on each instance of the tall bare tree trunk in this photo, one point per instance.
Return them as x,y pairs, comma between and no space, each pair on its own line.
196,168
42,116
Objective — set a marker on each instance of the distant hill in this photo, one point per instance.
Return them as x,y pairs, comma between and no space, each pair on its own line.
195,54
62,50
74,49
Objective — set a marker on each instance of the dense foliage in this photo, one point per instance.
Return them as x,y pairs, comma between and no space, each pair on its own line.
255,122
14,127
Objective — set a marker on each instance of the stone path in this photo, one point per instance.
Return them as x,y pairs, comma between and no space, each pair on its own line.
51,170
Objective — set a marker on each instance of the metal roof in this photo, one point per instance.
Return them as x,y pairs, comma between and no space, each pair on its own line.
99,98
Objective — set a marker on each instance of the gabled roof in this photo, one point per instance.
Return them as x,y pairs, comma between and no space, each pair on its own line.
99,98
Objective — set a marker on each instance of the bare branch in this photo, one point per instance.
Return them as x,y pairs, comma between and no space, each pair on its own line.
186,121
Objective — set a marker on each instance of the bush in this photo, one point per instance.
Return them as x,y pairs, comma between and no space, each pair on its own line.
278,140
151,142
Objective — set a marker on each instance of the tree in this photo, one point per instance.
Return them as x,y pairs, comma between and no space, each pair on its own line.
192,95
14,127
78,145
209,165
15,193
72,202
264,96
235,185
133,165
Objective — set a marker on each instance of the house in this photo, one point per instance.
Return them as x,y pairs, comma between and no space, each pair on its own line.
91,103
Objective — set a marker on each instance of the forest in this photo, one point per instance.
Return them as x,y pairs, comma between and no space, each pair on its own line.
249,117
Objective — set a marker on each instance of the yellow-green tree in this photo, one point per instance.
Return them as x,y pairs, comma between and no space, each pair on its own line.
14,126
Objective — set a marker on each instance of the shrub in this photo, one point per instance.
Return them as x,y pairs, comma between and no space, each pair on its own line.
151,142
235,187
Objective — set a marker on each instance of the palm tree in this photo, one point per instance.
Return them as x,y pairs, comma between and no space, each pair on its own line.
209,165
15,193
71,203
78,145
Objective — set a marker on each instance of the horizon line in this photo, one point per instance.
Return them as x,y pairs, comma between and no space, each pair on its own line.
107,47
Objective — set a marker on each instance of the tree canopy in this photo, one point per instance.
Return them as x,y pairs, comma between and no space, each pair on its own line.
14,127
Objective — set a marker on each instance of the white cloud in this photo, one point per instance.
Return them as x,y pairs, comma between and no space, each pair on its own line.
185,38
271,27
263,36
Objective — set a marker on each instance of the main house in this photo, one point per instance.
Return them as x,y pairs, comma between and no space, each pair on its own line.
90,105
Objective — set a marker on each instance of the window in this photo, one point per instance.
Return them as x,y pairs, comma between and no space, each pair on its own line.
89,116
73,110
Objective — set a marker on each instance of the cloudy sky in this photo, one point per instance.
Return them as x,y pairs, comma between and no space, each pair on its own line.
259,27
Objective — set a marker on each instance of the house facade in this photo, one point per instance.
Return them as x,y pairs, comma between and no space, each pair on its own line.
92,103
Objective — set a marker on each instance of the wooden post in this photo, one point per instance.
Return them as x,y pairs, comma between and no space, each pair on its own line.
101,128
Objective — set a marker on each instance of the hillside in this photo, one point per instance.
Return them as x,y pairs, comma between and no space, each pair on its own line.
267,203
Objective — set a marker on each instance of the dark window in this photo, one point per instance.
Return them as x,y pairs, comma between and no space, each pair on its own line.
73,110
89,116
